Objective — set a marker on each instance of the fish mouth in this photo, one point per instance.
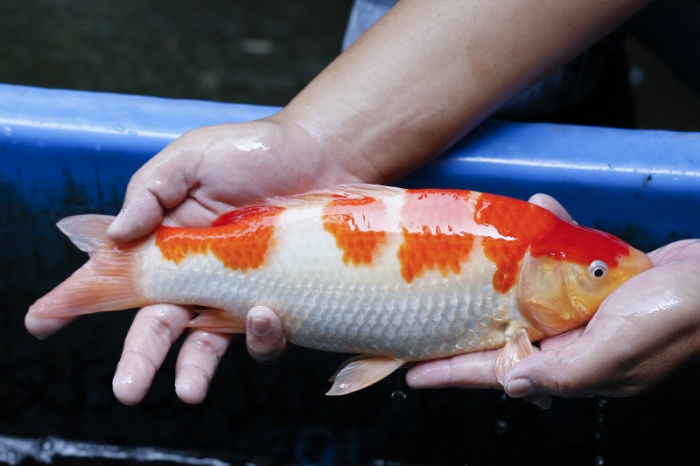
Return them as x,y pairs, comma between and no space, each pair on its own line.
636,263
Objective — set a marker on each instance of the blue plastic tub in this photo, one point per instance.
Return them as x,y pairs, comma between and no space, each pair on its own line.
68,152
643,184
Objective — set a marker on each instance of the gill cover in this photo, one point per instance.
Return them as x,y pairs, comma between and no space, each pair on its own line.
557,295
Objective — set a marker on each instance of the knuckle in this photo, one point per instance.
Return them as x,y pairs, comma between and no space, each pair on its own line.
162,329
208,348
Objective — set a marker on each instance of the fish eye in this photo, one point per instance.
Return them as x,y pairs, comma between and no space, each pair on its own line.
598,269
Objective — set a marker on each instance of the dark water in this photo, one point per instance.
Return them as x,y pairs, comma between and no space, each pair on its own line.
55,395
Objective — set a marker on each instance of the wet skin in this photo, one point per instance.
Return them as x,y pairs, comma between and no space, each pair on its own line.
353,123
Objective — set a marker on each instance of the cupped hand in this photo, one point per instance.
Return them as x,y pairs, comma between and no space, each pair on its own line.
642,332
208,170
191,182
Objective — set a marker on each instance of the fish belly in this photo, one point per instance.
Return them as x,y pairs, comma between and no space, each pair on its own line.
328,304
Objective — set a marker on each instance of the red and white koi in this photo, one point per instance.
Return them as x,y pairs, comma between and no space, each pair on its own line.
394,275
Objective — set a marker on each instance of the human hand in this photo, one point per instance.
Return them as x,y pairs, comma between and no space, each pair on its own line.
155,329
190,183
641,333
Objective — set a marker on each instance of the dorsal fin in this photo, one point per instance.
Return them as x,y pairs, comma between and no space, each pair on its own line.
246,213
320,196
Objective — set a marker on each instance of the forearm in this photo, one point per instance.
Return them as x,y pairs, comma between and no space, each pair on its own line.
429,71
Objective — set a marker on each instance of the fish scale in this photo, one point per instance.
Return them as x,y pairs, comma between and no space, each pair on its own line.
318,317
395,275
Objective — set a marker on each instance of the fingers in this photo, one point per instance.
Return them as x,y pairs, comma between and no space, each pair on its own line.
552,205
197,362
162,183
152,333
264,336
556,372
569,372
473,370
202,350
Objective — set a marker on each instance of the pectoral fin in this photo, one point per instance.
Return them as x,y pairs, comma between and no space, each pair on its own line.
216,320
360,372
517,348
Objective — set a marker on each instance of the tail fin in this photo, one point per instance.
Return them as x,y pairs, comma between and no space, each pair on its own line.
105,283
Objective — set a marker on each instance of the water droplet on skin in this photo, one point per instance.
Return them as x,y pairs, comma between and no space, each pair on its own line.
501,426
398,396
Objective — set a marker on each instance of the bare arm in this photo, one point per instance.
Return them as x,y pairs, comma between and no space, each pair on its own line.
430,71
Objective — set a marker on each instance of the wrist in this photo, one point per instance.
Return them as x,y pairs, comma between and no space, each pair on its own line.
317,154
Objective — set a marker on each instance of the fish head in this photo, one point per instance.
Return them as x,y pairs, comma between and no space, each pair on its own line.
561,288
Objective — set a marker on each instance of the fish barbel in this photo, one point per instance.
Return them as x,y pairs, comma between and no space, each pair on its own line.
391,274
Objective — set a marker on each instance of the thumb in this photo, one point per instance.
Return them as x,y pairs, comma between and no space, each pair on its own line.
140,214
162,183
573,370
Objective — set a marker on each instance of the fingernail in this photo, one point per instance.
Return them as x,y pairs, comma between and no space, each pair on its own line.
519,388
114,226
260,326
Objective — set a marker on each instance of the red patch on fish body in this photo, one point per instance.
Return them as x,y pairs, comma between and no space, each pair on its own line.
356,225
437,232
438,227
240,239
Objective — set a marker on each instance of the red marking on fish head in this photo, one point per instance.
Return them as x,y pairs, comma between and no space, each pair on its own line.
437,232
515,226
569,272
240,239
358,226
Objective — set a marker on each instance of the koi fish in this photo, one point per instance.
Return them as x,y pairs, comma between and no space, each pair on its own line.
393,275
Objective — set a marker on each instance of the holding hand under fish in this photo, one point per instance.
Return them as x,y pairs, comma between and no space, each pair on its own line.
391,274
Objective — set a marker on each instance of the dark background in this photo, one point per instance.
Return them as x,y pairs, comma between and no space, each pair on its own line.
264,52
